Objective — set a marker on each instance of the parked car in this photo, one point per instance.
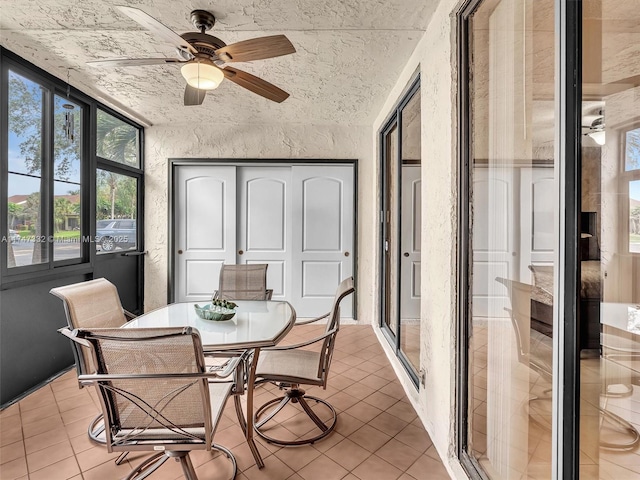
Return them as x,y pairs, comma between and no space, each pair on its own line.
114,233
14,236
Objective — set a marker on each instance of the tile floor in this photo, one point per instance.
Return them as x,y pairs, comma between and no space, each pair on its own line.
378,435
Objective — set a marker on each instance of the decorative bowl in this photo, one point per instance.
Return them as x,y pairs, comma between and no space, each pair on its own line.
217,310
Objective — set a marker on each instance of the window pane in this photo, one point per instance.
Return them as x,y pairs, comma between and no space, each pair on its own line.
609,296
25,125
67,151
66,219
116,140
116,212
25,220
26,245
632,150
512,216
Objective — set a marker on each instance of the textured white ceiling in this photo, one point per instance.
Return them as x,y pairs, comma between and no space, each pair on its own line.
349,54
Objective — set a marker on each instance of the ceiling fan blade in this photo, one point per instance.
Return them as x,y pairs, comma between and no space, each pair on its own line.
256,49
255,84
132,62
153,25
193,96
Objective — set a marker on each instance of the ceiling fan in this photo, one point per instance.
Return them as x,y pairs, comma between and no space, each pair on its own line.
204,58
593,126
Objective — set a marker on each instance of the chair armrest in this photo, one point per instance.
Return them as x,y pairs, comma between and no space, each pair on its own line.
71,335
132,376
304,322
303,344
228,368
128,315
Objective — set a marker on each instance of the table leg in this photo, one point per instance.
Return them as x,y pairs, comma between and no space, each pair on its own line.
249,423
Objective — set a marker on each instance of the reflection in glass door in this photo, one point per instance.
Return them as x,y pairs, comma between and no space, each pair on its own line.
609,312
401,233
510,213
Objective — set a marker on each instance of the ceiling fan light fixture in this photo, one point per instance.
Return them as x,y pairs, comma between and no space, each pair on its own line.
598,136
202,74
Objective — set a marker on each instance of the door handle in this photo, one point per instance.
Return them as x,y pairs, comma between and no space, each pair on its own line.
179,252
135,254
240,252
346,254
406,254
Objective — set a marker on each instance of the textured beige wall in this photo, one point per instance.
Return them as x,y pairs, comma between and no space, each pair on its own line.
251,142
435,402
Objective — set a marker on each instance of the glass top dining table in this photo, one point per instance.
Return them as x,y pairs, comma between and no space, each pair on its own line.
256,325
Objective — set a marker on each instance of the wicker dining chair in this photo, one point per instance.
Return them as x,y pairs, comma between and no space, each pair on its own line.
243,282
92,304
293,365
156,393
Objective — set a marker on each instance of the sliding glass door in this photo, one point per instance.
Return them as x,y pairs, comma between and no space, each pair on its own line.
401,214
511,239
550,239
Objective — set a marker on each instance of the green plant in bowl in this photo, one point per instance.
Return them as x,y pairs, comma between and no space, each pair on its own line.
217,310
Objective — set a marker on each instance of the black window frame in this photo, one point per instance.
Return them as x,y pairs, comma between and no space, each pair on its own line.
84,264
626,177
103,163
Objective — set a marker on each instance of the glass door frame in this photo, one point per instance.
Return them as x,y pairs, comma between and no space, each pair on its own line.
566,354
394,120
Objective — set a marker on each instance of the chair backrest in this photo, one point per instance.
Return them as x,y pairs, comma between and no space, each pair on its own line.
345,288
333,324
243,282
148,401
530,343
91,304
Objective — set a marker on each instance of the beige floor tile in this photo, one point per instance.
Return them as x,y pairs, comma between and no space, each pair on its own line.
53,422
95,456
274,469
348,454
389,424
369,438
299,457
49,455
375,468
62,470
14,469
11,452
427,464
322,468
415,437
364,412
107,470
380,400
403,410
398,454
44,440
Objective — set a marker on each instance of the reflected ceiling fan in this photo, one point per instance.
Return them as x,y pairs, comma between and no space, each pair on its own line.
204,58
593,126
